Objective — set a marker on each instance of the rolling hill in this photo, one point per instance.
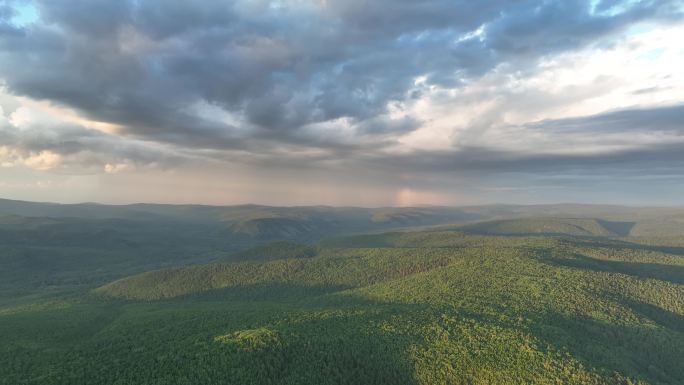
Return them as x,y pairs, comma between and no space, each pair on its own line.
551,226
158,294
67,247
428,307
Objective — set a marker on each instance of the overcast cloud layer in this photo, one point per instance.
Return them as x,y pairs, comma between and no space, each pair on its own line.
342,102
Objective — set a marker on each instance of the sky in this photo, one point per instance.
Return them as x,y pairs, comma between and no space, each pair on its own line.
342,102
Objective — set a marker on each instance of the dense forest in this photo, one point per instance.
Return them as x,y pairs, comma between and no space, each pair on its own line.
536,300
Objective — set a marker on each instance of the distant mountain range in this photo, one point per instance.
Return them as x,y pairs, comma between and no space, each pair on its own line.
245,223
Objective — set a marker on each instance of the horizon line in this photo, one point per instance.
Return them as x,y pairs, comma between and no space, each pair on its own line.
633,206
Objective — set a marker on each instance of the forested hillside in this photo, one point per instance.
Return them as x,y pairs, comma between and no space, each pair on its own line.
68,248
551,226
421,307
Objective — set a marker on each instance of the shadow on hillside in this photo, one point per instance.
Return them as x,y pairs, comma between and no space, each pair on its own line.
346,338
344,330
619,228
520,227
670,273
620,244
615,351
662,317
48,327
643,352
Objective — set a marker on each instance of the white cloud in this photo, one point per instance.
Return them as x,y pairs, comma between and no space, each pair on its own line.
116,168
641,70
41,160
29,112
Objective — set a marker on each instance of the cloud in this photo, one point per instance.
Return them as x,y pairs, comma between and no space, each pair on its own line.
116,168
634,142
653,120
418,88
43,160
42,137
37,160
279,66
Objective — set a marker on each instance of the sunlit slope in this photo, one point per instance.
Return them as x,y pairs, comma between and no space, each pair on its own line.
428,307
337,270
476,309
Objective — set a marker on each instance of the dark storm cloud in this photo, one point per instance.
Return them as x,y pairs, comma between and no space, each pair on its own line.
379,126
663,119
279,67
660,156
655,157
559,25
